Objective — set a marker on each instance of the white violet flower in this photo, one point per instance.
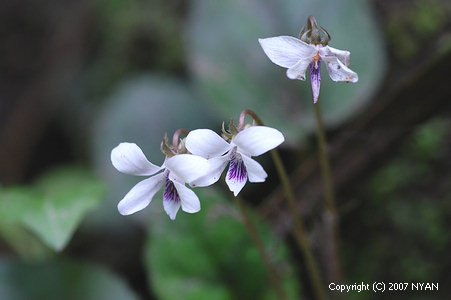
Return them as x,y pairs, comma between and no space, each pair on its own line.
307,52
252,141
177,170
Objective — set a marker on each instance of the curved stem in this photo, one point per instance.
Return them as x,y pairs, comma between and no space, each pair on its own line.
250,113
300,233
252,230
331,216
175,137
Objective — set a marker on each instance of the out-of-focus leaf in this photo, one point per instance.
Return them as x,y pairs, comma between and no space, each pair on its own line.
67,195
209,255
233,71
52,208
60,280
27,245
15,202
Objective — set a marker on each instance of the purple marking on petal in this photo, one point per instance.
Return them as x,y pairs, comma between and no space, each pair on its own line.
170,192
237,169
315,78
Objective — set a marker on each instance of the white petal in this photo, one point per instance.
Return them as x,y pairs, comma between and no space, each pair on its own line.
171,208
342,55
286,51
338,71
235,184
217,166
298,70
206,143
128,158
255,171
257,140
188,167
189,200
141,194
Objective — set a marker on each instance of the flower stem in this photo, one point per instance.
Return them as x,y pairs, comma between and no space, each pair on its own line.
176,136
252,230
331,216
300,233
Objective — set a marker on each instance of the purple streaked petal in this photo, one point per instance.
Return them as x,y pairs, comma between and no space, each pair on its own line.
171,199
315,79
237,169
237,174
170,192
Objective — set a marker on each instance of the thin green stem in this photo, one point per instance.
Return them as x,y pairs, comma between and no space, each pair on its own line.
300,233
255,236
331,217
324,161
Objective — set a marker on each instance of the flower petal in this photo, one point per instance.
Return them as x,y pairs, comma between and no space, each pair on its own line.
171,208
342,55
255,171
206,143
286,51
237,174
298,70
128,158
338,71
235,185
256,140
189,200
188,167
217,166
141,194
315,79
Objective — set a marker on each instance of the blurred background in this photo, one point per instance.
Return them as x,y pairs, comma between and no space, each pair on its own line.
79,77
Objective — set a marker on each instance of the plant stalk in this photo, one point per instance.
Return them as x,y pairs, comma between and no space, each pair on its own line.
300,233
330,217
252,230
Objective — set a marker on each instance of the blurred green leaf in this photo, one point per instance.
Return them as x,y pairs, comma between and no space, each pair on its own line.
26,244
209,255
15,201
67,195
52,208
429,138
60,279
230,67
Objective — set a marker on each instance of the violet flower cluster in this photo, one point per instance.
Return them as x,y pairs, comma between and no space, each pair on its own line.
198,161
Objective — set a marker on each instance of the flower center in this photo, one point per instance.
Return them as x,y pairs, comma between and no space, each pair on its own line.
170,192
237,170
316,59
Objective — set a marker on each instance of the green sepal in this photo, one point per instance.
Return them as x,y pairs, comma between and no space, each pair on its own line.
165,148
